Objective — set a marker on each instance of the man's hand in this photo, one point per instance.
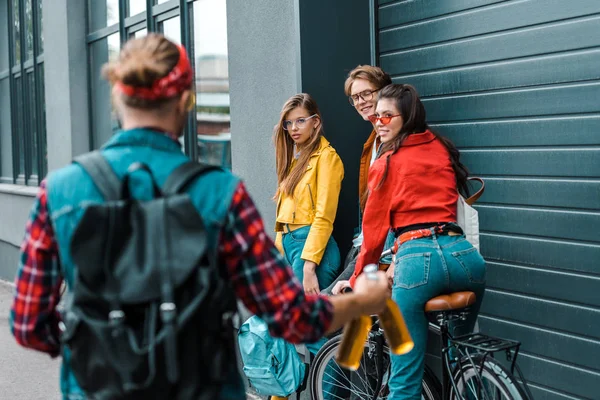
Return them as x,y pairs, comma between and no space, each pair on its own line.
372,294
389,273
340,286
310,281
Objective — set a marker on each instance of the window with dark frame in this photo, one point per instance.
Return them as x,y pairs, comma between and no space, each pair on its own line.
23,151
201,26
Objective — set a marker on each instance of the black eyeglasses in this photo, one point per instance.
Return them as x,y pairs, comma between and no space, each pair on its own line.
366,95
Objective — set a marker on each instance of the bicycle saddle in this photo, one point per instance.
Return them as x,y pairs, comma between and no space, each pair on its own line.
451,301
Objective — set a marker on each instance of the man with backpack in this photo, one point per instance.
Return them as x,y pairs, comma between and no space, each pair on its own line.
155,250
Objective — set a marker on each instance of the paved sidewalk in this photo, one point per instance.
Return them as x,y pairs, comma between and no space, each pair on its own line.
24,374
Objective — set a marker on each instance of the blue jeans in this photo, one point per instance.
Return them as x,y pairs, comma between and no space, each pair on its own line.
426,268
327,272
329,267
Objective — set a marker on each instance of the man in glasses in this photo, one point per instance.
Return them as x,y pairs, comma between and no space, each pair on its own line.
361,87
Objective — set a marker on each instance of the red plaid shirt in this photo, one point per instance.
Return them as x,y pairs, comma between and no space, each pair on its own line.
261,278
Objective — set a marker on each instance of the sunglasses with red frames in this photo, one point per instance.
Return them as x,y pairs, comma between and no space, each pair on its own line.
384,120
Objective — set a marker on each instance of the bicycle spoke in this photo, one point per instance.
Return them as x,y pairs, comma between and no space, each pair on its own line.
361,385
328,380
476,383
353,388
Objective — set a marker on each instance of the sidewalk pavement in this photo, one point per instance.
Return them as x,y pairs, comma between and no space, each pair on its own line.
24,374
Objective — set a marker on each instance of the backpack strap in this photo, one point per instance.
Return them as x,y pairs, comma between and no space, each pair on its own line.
184,175
102,174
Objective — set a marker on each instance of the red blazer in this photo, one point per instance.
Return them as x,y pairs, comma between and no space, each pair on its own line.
420,187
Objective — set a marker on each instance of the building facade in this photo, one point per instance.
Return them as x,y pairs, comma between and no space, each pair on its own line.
515,84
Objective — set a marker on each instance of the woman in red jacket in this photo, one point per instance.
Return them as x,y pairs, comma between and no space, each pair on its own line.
413,189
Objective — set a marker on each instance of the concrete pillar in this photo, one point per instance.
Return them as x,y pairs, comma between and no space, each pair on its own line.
66,80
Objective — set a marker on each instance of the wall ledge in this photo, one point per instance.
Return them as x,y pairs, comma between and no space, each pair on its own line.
20,190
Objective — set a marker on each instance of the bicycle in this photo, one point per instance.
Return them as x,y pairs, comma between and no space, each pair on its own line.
469,369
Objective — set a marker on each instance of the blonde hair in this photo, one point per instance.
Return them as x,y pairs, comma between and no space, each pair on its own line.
142,62
374,75
287,179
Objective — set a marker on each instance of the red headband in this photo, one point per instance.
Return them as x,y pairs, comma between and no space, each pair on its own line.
176,82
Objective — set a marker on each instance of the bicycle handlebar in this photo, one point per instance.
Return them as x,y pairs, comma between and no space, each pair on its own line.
387,252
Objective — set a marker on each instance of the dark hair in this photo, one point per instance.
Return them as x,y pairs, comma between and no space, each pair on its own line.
142,62
414,121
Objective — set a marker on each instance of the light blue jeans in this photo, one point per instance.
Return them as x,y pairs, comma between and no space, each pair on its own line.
328,269
426,268
327,272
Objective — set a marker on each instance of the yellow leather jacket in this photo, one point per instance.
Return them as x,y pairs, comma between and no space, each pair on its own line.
314,202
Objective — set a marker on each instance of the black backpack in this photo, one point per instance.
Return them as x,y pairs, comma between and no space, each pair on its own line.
149,316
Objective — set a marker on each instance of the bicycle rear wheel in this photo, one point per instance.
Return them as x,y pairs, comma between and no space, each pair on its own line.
432,388
329,381
488,382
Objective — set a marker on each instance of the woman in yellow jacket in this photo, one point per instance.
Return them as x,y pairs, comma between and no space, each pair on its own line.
309,176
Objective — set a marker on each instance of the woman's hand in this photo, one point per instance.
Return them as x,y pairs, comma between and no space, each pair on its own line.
310,281
340,286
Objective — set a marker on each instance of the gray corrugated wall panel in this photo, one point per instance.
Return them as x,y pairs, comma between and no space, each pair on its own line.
553,100
578,381
550,38
549,131
568,318
540,282
568,193
543,393
516,86
485,20
541,222
409,11
581,65
545,342
558,162
555,254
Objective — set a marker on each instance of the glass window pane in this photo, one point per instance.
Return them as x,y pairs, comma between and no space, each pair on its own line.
6,167
114,46
32,120
16,32
212,82
18,127
136,7
28,30
103,13
171,28
4,52
140,33
103,116
112,12
42,106
40,26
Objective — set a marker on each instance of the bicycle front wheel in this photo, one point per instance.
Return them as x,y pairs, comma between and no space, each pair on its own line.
329,381
488,382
